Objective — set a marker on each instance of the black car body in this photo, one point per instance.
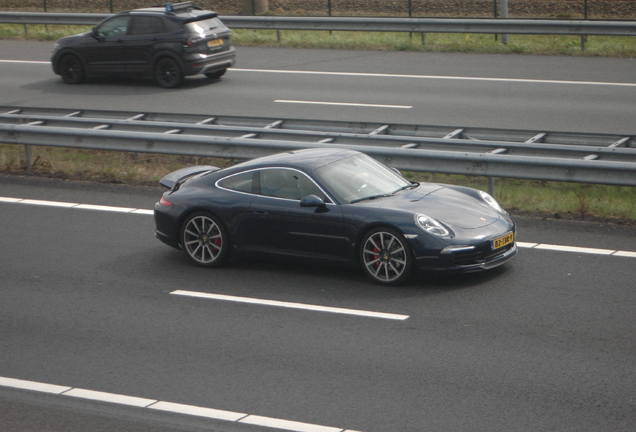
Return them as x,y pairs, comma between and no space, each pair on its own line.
167,44
332,205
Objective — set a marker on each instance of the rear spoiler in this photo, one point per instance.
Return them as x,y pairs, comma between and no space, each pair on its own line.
179,176
201,17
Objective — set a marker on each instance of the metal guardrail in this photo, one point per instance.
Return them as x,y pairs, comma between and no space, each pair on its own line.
540,155
416,25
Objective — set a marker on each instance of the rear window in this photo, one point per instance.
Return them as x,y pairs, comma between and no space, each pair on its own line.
205,26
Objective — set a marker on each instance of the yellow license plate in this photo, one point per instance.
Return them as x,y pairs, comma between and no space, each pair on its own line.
215,42
502,241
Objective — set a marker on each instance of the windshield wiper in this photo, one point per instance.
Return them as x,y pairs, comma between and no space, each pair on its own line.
371,197
413,185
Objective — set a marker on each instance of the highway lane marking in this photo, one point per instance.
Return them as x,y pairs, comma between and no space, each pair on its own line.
290,305
159,405
343,104
526,245
76,205
386,75
437,77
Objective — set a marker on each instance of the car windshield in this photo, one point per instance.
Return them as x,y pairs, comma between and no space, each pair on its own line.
360,177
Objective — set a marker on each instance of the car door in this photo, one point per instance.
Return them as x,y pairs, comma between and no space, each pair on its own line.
108,52
144,34
282,226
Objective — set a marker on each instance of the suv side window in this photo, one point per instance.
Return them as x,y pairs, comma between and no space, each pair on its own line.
117,26
147,25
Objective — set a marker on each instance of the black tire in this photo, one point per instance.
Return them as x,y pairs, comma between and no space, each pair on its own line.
216,75
386,257
168,73
71,69
204,240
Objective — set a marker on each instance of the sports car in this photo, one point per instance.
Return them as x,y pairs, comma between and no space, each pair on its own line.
332,205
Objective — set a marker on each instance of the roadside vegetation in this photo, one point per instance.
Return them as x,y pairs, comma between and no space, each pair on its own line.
551,199
535,198
599,46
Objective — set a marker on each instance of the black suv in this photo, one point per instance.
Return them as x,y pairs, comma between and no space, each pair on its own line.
165,43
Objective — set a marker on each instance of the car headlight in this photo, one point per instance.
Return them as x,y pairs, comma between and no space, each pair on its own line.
430,225
492,202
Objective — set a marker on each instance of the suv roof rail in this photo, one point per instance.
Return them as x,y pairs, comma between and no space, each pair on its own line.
179,6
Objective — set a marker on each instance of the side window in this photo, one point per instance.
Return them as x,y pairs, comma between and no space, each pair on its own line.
147,25
117,26
286,183
243,182
172,27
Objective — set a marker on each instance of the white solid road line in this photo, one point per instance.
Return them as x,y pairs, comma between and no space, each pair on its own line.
525,245
343,104
167,406
76,205
290,305
436,77
387,75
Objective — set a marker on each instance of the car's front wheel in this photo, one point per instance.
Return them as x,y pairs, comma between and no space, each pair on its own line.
71,69
204,239
168,73
386,257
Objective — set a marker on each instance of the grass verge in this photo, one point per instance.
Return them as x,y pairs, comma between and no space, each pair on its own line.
537,198
608,46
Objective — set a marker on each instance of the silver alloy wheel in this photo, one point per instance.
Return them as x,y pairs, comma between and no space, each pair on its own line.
386,257
203,240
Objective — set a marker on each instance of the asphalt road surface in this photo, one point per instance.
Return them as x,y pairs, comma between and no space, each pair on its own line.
88,296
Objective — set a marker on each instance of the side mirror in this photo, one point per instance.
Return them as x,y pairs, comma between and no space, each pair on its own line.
312,201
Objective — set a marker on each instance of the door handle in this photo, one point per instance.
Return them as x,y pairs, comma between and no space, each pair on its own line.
260,213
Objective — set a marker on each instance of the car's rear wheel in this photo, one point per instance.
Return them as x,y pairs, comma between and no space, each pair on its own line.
71,69
204,239
386,257
168,73
217,74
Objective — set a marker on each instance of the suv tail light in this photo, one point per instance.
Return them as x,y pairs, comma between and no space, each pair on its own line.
193,41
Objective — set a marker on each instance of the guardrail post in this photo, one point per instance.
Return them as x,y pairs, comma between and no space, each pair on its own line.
491,186
584,37
27,158
504,14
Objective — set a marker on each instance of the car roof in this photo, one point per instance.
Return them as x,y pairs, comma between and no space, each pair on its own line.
307,159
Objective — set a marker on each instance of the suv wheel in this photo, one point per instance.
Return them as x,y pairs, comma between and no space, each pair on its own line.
168,73
71,69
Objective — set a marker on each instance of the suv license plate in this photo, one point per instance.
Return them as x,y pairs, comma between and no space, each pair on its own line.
502,241
215,42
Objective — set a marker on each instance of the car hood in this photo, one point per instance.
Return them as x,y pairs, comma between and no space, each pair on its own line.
73,38
447,205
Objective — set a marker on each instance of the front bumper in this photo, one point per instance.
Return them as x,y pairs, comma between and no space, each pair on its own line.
464,257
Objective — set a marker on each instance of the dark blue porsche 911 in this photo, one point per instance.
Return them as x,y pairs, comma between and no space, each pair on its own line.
332,205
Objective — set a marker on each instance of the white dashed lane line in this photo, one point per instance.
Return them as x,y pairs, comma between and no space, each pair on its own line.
525,245
301,306
155,404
